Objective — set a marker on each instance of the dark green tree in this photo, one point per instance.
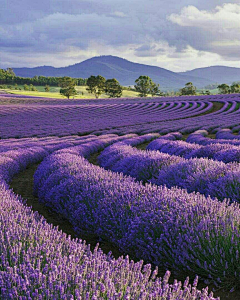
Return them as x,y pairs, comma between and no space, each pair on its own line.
224,88
26,87
32,88
47,88
235,88
68,91
96,85
113,88
10,72
66,81
67,85
189,89
144,86
154,90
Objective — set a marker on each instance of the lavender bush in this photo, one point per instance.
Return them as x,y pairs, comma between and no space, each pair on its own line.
222,152
183,232
142,165
197,174
40,262
119,116
169,228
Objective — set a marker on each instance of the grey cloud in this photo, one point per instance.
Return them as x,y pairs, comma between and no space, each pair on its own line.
50,27
149,51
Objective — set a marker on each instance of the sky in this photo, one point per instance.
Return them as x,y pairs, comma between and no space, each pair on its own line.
173,34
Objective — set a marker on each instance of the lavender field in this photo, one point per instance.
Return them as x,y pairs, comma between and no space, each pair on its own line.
158,179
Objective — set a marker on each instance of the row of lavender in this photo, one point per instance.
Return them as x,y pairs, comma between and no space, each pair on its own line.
200,137
224,150
18,99
187,233
120,117
40,262
72,119
203,175
227,134
227,116
16,154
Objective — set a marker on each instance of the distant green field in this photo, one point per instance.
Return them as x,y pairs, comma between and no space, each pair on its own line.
213,92
54,92
82,92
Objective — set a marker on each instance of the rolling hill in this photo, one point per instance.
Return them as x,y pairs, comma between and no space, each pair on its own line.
219,74
124,71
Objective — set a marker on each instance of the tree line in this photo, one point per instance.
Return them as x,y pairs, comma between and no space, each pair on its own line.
226,89
8,77
98,85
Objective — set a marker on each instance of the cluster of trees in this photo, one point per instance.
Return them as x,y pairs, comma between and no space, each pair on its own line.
144,86
25,87
98,85
10,87
8,77
30,88
67,85
189,89
226,89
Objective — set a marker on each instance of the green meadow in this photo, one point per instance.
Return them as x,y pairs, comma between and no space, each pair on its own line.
54,92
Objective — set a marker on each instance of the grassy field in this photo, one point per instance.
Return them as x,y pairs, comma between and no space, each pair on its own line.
82,92
54,93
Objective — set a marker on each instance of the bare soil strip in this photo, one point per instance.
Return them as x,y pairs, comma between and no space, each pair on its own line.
22,184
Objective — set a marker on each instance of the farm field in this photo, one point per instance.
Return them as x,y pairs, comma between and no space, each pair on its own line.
156,181
82,92
54,93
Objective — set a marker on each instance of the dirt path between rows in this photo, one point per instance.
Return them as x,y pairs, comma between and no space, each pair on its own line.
22,184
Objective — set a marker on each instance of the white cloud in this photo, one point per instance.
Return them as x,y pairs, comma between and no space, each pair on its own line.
218,29
222,18
119,14
64,32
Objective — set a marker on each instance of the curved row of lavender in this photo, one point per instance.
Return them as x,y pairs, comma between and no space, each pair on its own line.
200,137
203,175
90,117
29,151
217,151
40,262
227,134
227,116
38,117
45,118
167,227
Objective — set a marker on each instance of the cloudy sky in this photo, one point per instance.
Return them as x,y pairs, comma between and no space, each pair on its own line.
175,34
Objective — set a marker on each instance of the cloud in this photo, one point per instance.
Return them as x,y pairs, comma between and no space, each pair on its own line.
222,19
159,33
217,30
77,30
153,49
118,14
